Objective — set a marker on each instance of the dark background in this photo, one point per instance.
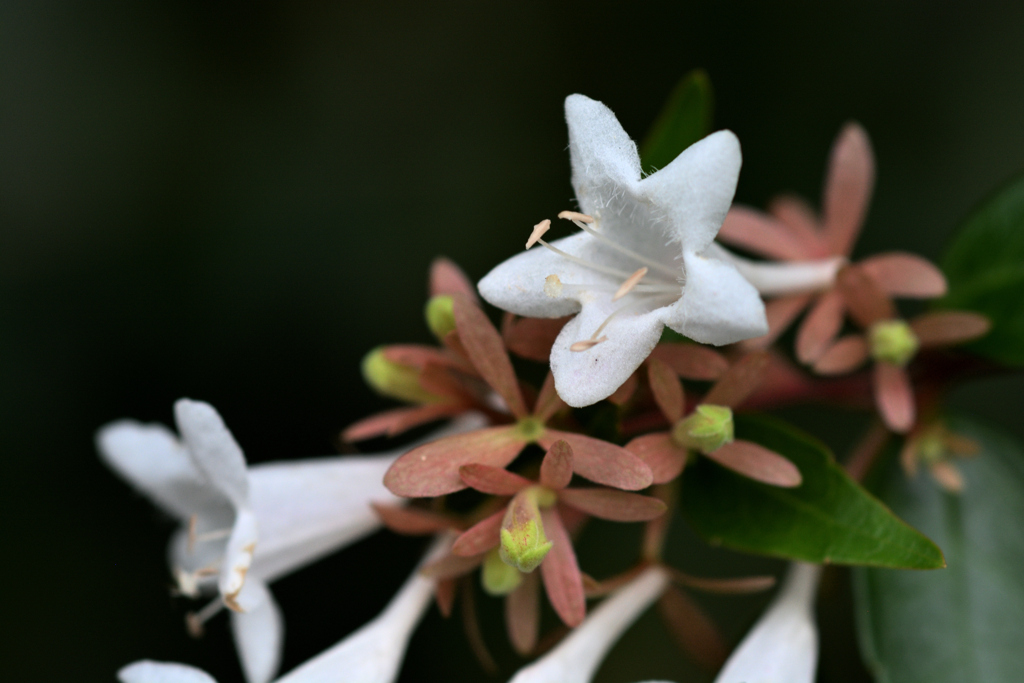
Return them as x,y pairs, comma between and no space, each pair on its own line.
234,201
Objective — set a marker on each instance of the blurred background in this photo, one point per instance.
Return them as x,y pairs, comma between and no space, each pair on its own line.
234,201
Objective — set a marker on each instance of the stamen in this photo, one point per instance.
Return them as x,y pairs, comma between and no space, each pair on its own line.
630,283
538,232
194,620
582,225
553,286
587,344
575,216
213,535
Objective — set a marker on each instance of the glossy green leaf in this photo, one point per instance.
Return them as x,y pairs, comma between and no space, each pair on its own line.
965,623
985,268
828,518
685,119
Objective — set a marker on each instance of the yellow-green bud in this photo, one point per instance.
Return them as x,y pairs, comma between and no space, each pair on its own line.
499,578
709,428
893,341
523,543
440,315
393,379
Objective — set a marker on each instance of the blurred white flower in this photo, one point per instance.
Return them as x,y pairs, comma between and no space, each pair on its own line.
249,526
576,658
641,263
373,654
783,645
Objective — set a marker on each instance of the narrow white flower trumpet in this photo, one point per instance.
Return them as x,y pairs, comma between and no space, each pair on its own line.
576,658
249,526
783,645
642,261
373,654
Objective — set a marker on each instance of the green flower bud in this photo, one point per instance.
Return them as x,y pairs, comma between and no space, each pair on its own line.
893,341
499,578
440,315
523,543
706,430
394,380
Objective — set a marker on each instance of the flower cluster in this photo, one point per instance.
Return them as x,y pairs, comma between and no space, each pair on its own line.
595,305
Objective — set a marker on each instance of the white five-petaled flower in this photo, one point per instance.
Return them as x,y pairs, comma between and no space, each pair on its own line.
576,658
642,261
247,526
782,647
373,654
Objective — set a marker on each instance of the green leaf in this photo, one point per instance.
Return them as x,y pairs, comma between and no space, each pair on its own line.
828,518
965,623
685,119
985,268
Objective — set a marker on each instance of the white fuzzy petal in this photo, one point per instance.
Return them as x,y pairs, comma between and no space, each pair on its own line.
259,635
150,458
576,658
238,557
718,306
213,449
162,672
600,150
374,653
783,645
696,189
585,377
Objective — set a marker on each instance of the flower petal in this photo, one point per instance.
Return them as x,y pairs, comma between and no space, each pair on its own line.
259,635
480,537
577,657
531,338
447,278
496,481
758,463
741,380
602,462
661,454
756,232
847,354
696,189
213,449
548,401
865,300
562,579
433,469
894,397
394,422
147,671
905,275
718,305
610,504
413,521
691,361
487,352
797,215
150,458
851,178
556,468
820,327
522,615
945,328
780,312
783,644
624,393
583,378
238,557
667,389
600,151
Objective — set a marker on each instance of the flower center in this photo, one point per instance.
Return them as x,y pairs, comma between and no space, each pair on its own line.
666,287
893,341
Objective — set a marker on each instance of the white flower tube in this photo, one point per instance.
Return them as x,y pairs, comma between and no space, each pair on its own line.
300,510
783,645
373,654
576,658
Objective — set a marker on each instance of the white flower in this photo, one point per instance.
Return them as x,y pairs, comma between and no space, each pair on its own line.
576,658
247,526
373,654
783,645
649,237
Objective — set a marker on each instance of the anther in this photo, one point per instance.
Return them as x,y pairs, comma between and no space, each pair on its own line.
538,232
576,216
587,344
194,620
553,286
631,282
